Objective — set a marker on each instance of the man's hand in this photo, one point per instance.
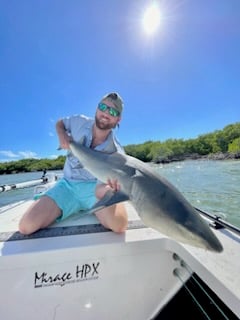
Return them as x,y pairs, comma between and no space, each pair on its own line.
64,140
101,189
113,184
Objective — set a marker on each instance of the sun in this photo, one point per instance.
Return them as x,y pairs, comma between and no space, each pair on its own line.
151,19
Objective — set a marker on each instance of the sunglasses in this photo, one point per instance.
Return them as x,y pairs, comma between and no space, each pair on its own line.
112,111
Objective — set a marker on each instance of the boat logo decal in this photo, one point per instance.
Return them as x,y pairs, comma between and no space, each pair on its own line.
79,273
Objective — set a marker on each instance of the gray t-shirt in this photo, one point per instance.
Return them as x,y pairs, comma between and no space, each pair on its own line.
79,127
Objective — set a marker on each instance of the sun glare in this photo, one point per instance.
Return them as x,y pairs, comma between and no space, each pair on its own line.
151,19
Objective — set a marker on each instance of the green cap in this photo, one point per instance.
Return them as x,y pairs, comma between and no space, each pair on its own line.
115,98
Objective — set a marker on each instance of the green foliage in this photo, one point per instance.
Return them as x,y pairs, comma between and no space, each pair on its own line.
234,146
220,141
160,152
140,151
29,165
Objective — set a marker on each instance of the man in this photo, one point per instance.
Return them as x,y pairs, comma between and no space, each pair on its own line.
79,190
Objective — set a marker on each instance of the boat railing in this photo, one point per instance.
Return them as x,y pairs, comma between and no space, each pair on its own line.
45,179
218,223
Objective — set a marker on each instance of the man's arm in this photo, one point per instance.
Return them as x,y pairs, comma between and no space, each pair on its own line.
63,136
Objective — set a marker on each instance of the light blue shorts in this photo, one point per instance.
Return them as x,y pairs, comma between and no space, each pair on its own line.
72,196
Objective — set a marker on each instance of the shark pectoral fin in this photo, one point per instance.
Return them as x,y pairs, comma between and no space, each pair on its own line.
108,200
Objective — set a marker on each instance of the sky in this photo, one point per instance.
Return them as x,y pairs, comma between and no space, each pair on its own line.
58,58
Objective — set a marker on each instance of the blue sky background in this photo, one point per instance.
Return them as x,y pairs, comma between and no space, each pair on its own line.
58,58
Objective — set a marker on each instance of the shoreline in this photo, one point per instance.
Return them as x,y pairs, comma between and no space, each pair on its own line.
214,156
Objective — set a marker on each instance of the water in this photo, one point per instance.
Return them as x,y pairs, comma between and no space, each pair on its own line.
212,186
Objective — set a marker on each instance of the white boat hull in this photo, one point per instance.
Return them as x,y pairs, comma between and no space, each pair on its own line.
101,275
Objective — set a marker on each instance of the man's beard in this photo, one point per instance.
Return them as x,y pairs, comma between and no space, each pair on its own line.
104,126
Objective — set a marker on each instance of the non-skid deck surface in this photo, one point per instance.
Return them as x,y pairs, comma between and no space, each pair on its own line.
77,224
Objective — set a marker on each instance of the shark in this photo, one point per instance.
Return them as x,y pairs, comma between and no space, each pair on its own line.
159,204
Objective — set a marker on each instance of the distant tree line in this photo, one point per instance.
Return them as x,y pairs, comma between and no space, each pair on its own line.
220,144
30,165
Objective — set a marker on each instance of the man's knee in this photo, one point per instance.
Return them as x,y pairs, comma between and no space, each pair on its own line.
120,219
114,218
24,227
119,227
